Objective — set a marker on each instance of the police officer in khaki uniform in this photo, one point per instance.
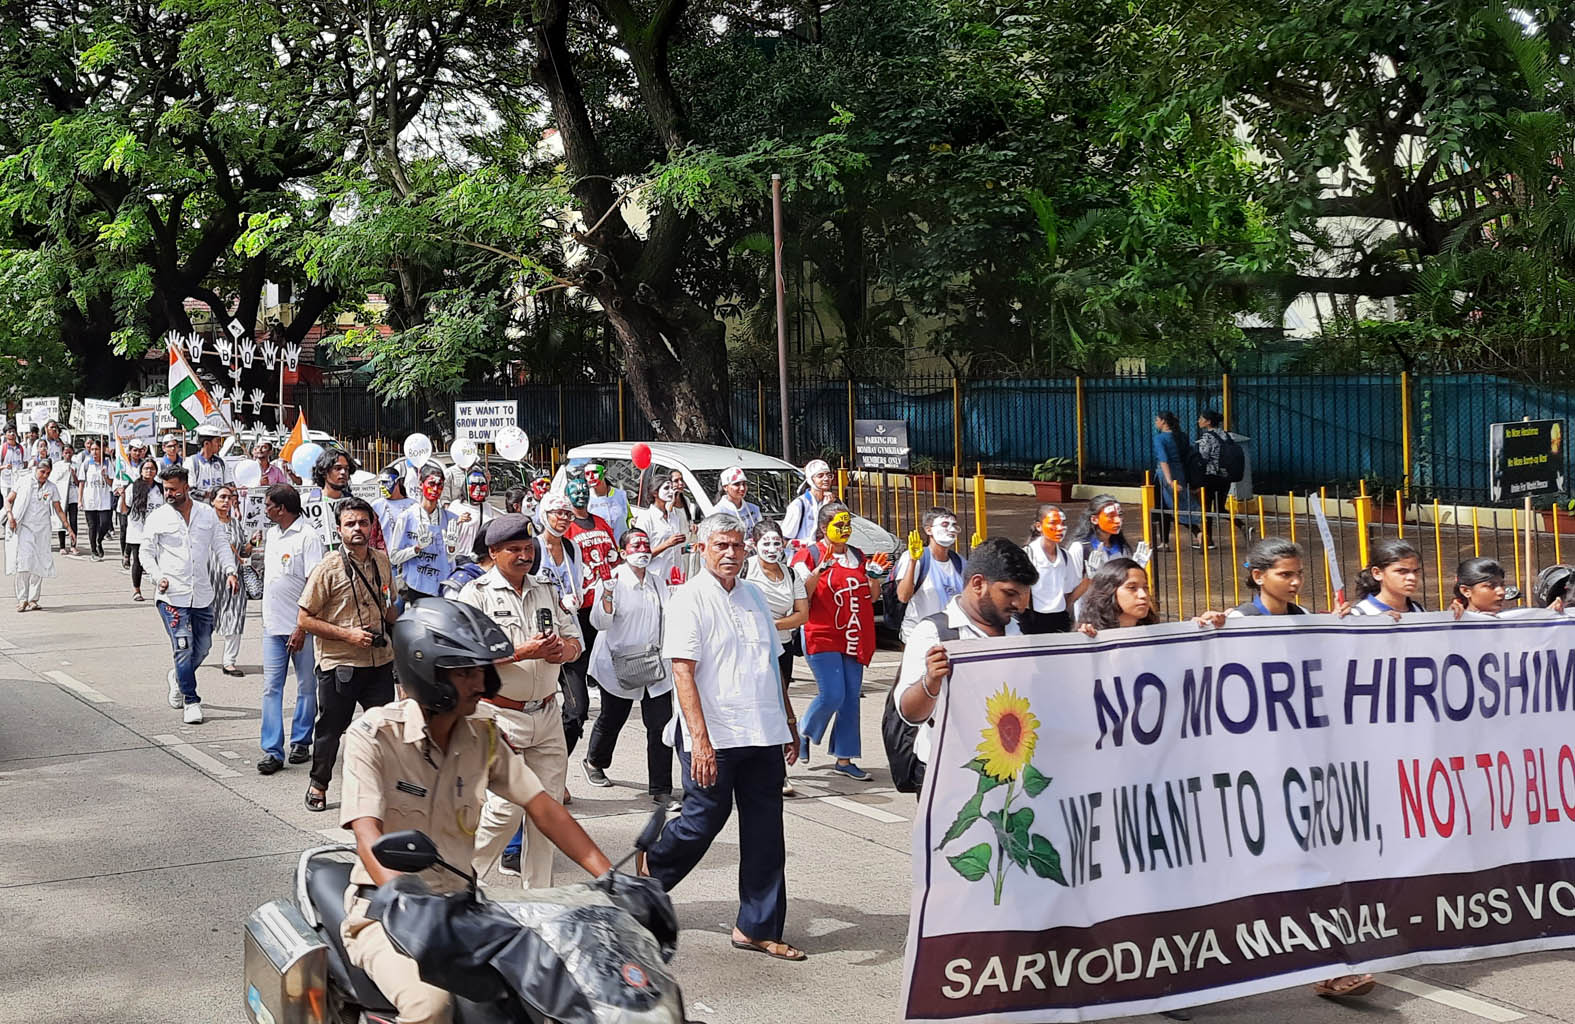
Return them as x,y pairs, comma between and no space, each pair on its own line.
425,763
526,703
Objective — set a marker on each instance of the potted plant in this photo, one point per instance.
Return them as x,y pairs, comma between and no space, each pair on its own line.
1565,518
1382,506
1053,479
925,474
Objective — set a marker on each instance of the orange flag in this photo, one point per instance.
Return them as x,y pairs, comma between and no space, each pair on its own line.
297,437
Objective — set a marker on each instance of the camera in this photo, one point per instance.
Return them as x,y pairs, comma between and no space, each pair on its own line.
380,640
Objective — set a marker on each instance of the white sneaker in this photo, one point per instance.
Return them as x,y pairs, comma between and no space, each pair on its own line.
193,715
177,699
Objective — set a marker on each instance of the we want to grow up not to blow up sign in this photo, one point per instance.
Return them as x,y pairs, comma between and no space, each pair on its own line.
1171,816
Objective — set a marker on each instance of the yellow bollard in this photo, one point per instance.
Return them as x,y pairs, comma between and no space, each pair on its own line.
1203,525
981,512
1514,535
917,522
1361,524
1261,527
1399,516
1235,561
1146,500
1438,554
896,509
1558,554
1476,535
842,480
1292,499
1175,539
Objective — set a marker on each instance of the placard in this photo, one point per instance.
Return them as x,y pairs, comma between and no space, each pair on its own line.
1167,816
96,412
881,444
480,421
254,518
125,424
1527,459
40,410
78,414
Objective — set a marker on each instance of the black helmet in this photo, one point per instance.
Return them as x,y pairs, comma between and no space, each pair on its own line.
434,633
1551,584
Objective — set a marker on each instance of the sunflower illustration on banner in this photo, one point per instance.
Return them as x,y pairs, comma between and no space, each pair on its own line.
1005,771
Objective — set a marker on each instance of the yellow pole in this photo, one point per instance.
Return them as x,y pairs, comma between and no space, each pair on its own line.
1438,554
1399,516
1203,524
1328,584
1175,536
1235,562
850,415
1476,535
842,480
1514,535
1292,499
1558,553
620,409
1405,431
1225,399
1146,498
1361,523
1261,527
981,513
1078,384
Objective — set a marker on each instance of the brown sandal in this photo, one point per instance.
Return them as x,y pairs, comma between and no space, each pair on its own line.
782,950
1346,986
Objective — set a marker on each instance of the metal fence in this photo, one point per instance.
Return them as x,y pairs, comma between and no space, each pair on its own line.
1426,435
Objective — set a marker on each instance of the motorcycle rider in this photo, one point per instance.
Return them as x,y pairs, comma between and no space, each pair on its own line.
426,763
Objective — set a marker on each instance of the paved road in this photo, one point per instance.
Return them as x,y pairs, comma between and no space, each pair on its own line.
133,847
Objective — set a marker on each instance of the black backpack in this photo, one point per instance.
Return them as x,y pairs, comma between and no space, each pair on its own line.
892,606
907,771
1232,457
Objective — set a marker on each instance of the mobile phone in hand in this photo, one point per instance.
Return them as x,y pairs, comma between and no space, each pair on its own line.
544,620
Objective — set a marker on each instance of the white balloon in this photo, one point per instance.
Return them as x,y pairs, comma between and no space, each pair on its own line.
41,415
512,443
305,458
248,473
464,453
417,448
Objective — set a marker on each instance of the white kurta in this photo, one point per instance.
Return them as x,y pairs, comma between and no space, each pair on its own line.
27,549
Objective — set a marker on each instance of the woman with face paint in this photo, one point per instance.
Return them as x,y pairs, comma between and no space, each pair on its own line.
785,597
1061,578
628,616
419,549
929,574
839,637
803,513
1099,531
609,502
667,524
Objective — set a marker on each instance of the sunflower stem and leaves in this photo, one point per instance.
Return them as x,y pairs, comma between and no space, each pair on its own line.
1004,765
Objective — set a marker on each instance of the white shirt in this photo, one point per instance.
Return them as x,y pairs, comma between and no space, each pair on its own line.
912,673
179,551
465,534
564,575
942,582
289,556
135,524
798,521
1056,579
731,637
781,595
613,507
97,485
634,624
660,526
750,513
206,475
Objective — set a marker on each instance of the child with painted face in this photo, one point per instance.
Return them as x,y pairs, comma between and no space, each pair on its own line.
394,500
611,503
1098,535
929,575
1061,577
735,499
471,515
839,637
419,548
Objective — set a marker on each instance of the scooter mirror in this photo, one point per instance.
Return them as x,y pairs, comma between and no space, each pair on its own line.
405,851
652,831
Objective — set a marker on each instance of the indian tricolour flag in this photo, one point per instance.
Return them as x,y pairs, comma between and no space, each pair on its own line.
190,402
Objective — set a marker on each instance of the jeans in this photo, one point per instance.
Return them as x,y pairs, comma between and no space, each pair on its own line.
191,634
751,776
654,712
276,663
369,687
839,678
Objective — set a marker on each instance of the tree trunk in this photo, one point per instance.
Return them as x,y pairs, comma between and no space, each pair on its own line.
675,363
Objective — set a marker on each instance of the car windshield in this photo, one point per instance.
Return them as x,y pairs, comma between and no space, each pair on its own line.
771,489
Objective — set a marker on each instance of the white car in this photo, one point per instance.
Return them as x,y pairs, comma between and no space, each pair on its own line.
773,483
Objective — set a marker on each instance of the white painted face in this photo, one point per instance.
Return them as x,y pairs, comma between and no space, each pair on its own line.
769,548
944,531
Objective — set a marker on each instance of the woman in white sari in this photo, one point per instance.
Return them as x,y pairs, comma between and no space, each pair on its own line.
29,511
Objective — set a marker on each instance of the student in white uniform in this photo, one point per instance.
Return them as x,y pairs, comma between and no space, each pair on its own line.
1387,584
1061,577
609,502
734,499
798,522
929,574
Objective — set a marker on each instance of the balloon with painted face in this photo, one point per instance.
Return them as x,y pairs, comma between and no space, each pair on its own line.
578,493
840,528
1052,526
1109,519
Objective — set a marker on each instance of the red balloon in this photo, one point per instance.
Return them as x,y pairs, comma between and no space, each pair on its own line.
641,453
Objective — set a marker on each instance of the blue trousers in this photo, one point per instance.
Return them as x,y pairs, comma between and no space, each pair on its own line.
191,635
752,777
277,660
839,679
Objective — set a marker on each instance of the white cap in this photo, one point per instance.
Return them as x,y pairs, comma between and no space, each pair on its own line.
815,468
209,430
732,476
555,501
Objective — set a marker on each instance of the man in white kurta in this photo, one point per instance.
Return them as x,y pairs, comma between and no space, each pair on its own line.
30,508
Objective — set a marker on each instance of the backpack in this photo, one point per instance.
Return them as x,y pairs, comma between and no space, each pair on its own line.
907,771
893,607
1232,457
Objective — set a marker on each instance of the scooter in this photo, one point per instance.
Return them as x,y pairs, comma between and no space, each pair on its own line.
589,953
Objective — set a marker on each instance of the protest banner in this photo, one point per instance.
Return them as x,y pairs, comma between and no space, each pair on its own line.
78,415
254,517
480,421
39,411
1169,816
96,415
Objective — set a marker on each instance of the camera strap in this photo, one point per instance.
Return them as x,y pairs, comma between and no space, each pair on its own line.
353,573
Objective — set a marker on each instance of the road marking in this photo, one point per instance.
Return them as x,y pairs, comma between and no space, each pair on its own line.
6,645
1450,997
195,757
873,813
232,755
79,688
